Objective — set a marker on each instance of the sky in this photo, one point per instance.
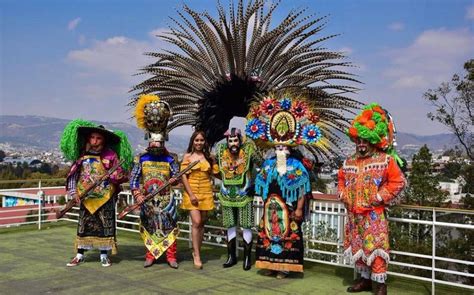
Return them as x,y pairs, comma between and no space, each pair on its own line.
78,59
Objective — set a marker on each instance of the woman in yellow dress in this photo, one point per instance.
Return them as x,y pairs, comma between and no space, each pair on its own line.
198,196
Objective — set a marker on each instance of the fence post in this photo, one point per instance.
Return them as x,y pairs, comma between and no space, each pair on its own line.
40,195
433,252
190,227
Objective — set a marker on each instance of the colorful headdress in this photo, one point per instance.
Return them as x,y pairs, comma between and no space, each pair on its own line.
375,125
284,120
222,64
75,135
152,115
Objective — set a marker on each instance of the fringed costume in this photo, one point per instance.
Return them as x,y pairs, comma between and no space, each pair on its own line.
235,158
367,184
96,223
158,217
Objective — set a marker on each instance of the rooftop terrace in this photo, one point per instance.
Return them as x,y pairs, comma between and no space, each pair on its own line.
34,262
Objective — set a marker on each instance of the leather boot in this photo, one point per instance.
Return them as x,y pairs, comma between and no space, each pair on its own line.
360,286
380,289
231,259
247,255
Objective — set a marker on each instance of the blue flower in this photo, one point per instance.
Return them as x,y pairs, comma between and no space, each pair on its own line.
285,103
255,128
311,133
276,249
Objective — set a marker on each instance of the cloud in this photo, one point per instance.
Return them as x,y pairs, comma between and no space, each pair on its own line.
470,12
346,50
396,26
73,24
432,57
118,56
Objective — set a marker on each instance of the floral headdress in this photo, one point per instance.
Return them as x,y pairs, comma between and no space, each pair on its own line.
375,125
283,120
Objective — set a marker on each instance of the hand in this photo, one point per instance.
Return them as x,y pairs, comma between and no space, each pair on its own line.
194,201
173,181
139,198
76,198
299,214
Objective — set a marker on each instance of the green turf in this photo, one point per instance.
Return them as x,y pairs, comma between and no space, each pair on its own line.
34,262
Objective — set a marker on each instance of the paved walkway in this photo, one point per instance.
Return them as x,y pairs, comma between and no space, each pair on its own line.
34,262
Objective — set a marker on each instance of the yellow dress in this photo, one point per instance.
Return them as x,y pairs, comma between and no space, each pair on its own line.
199,178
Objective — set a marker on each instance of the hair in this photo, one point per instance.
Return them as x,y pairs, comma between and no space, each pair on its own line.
205,150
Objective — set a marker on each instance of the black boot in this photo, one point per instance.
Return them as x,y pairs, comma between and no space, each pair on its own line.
247,255
231,259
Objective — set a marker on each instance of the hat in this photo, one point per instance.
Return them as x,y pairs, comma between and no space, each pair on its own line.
110,136
152,115
283,120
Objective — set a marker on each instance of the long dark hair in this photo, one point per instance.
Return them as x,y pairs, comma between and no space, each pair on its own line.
205,150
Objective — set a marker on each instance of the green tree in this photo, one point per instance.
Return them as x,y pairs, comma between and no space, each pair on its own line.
454,107
2,155
423,188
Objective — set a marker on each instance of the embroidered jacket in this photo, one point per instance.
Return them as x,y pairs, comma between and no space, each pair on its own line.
369,183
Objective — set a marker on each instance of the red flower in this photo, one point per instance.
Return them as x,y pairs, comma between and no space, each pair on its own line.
288,245
353,132
291,176
370,124
294,236
266,243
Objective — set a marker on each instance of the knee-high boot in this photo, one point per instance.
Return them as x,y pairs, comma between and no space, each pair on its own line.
231,258
247,255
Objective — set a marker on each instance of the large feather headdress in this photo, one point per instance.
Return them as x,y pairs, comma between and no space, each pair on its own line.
224,64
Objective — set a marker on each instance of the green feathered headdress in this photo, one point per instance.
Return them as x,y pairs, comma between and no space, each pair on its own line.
375,125
73,140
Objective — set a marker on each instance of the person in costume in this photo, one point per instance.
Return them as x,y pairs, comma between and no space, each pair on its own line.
282,122
368,182
236,194
158,217
198,196
94,150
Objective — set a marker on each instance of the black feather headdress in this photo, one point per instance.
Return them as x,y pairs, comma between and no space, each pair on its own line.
224,64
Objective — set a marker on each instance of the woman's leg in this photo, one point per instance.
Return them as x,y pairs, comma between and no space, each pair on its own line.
201,227
196,234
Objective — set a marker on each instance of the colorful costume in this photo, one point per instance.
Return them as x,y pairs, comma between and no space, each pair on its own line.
158,217
96,223
367,184
283,182
236,194
199,178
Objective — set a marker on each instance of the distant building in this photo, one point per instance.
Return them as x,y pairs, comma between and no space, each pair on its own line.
453,188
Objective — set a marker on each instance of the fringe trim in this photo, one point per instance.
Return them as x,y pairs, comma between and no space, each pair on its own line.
279,266
379,277
96,242
367,259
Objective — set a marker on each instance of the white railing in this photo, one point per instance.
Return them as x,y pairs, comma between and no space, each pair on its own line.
323,232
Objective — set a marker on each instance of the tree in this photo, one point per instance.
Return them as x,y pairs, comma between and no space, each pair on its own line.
2,155
423,188
454,107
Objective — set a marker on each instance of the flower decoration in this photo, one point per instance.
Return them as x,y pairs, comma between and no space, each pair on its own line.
300,109
284,120
276,249
285,103
269,106
311,133
255,129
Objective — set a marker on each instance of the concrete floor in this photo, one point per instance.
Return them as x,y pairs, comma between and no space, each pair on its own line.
34,262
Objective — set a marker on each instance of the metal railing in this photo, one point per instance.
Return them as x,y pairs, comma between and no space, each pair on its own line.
323,234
